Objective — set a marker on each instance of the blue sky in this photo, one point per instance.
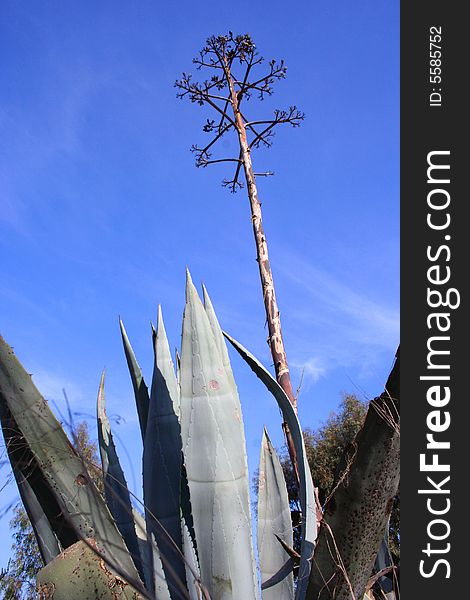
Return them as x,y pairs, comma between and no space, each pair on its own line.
102,209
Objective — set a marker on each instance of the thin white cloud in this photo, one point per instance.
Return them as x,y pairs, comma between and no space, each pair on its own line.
311,370
335,325
333,295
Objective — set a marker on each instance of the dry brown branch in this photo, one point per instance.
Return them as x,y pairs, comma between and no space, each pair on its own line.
235,61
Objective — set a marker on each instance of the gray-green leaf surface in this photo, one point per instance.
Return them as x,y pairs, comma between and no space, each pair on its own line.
162,463
307,492
138,383
274,518
115,485
214,450
83,511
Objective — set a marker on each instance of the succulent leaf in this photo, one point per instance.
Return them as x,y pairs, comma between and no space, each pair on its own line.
274,519
280,576
307,493
145,548
178,365
185,503
159,583
162,462
48,543
115,485
196,539
383,562
290,551
141,392
80,573
192,564
218,336
59,478
215,459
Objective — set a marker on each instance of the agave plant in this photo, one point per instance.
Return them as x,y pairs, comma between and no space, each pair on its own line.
194,540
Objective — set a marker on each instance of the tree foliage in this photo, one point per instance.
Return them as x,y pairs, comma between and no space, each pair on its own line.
325,447
18,580
326,444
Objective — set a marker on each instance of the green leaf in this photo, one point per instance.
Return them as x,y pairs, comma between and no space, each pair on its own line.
279,576
192,565
185,504
115,485
48,544
79,573
59,477
178,365
307,493
160,585
154,575
274,518
218,337
141,392
383,562
144,547
215,457
47,541
162,462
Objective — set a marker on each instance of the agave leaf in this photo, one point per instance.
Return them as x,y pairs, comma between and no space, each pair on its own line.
178,366
144,547
48,544
280,576
358,510
215,458
383,563
160,585
218,336
192,564
185,505
141,392
290,551
274,519
115,485
59,477
162,462
80,573
154,575
164,370
223,352
307,493
25,463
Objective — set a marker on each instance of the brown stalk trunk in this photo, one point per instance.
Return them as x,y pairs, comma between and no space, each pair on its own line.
273,317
